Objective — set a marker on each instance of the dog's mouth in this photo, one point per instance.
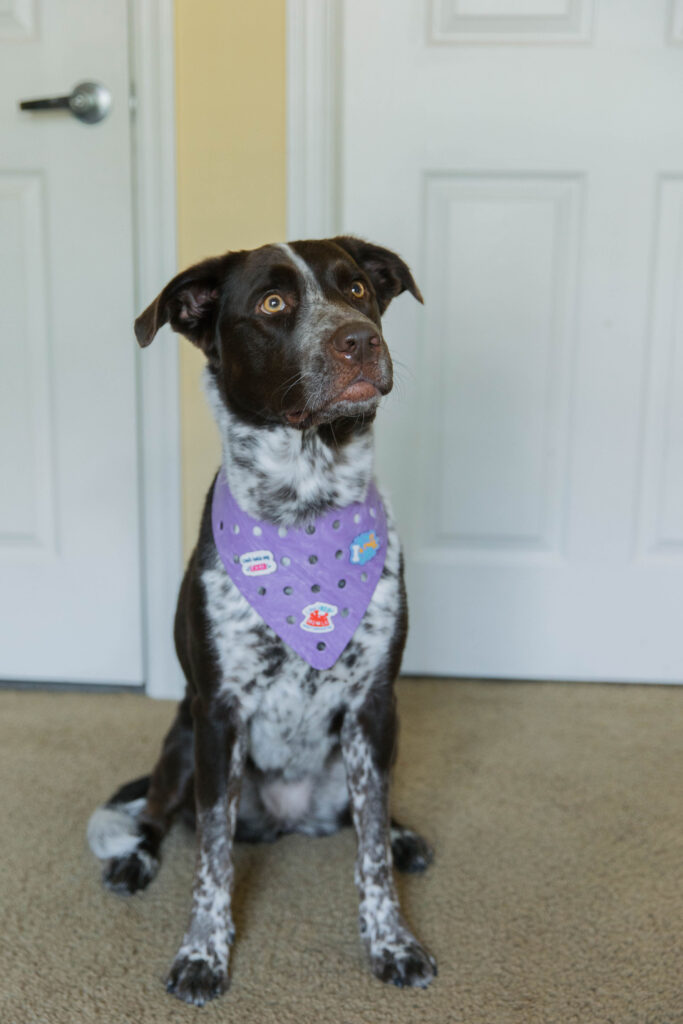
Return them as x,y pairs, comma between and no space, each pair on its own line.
361,396
298,418
361,390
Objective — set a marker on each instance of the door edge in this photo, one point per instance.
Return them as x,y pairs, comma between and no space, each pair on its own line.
152,80
313,107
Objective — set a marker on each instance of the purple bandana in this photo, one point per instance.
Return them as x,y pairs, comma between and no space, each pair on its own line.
312,584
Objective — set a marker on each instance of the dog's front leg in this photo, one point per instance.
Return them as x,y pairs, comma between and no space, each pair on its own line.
200,969
395,954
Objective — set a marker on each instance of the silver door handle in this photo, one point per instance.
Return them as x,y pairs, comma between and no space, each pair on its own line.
89,102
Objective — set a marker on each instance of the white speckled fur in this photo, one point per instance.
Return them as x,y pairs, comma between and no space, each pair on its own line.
287,716
280,457
112,831
211,932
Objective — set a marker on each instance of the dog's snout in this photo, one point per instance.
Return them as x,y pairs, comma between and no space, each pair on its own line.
356,342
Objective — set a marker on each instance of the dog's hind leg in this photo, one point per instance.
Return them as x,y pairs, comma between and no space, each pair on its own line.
128,831
409,851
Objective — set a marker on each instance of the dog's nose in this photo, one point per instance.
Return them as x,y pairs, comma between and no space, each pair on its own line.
357,343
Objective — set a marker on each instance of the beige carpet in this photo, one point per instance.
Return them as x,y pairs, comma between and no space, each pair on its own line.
556,896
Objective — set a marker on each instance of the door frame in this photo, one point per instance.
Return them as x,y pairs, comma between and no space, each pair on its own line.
313,84
152,76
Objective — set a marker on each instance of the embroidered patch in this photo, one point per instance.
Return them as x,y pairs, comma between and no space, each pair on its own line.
364,547
318,617
258,563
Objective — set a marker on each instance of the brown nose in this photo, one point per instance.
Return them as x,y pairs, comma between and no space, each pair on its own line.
357,343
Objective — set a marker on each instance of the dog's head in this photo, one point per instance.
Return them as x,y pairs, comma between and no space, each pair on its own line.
292,332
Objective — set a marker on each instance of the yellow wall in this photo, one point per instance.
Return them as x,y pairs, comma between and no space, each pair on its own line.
230,103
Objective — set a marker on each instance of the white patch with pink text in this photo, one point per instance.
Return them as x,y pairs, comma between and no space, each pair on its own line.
258,563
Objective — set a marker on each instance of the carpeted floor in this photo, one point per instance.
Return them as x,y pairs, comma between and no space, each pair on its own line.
556,896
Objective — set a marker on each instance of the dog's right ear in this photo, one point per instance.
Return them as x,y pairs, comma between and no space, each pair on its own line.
189,303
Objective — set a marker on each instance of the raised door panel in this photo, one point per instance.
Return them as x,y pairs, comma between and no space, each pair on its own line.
27,514
500,263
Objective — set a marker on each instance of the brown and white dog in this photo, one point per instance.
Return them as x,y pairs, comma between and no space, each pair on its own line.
263,743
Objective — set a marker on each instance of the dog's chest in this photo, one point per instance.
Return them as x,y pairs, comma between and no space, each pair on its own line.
289,732
290,706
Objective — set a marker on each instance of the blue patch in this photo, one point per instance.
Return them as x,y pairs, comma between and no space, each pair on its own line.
364,547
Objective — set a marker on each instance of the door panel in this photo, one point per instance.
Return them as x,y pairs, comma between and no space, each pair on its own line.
495,479
27,513
660,513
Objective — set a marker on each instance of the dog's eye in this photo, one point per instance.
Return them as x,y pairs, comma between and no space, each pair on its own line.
273,303
358,289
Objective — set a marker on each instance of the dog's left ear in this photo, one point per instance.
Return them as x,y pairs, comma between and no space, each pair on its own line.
389,274
189,303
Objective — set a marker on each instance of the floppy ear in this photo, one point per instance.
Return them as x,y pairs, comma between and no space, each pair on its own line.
389,274
189,303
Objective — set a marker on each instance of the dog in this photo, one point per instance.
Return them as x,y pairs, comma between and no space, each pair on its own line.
292,615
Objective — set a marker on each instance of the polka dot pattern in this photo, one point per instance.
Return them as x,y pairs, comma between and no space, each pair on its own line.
311,584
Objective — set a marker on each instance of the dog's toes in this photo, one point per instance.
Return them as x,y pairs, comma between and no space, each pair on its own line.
404,965
195,981
130,873
410,852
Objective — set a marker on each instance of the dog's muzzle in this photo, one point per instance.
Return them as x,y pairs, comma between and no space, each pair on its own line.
357,373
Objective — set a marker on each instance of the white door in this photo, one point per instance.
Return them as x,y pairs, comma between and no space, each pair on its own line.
526,156
70,604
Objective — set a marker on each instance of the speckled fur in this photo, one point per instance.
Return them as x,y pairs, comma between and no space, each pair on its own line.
288,476
263,743
287,711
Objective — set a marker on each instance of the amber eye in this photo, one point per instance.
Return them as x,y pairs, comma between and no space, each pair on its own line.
273,304
358,289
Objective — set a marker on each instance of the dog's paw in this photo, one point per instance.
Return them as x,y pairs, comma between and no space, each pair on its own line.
195,980
410,852
130,873
405,964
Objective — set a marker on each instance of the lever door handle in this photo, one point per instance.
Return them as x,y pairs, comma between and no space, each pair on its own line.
89,102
